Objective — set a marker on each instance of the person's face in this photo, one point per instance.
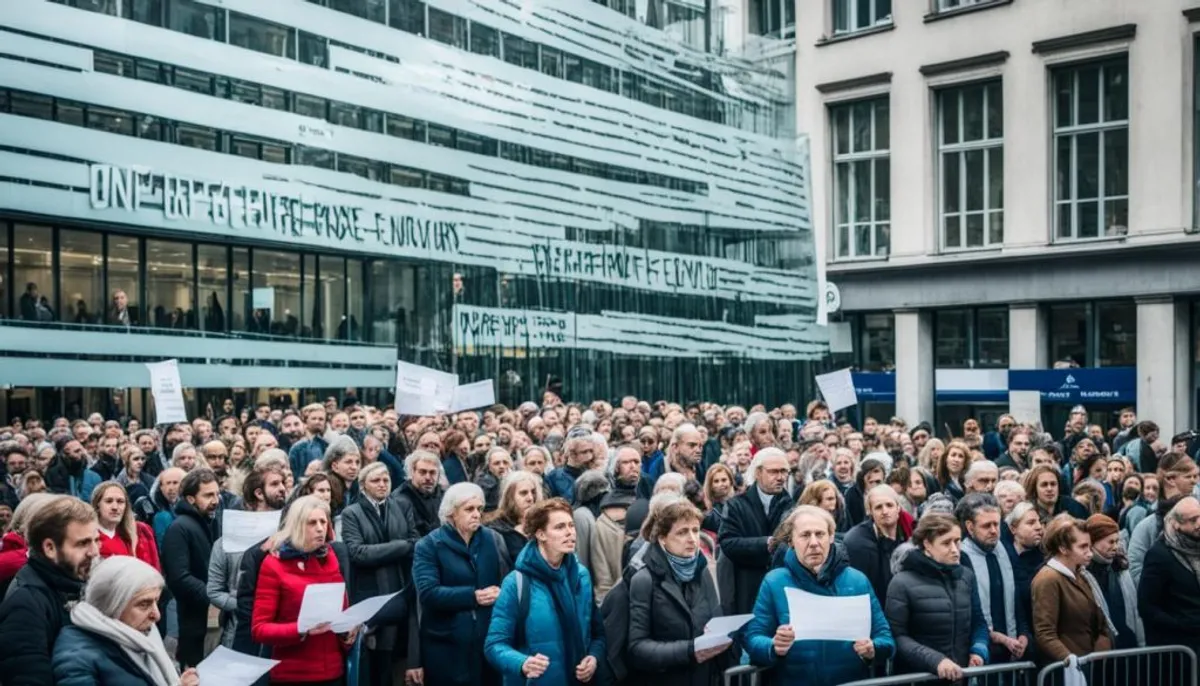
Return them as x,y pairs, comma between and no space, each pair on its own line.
721,484
649,442
683,540
90,445
81,431
1127,419
147,443
1043,458
955,460
5,516
274,490
1079,553
559,535
430,442
187,459
347,467
916,486
1019,445
358,418
629,464
762,434
142,613
535,461
884,512
985,482
971,427
1189,519
828,501
1009,499
985,529
688,448
291,425
227,406
1029,531
843,468
206,499
378,485
316,529
772,475
370,451
120,300
525,495
17,463
168,484
323,491
945,548
811,541
424,476
500,464
583,452
483,443
253,432
34,483
1150,490
111,508
1107,546
340,422
1184,482
919,439
217,458
1047,489
467,516
314,422
1098,470
74,451
873,478
80,546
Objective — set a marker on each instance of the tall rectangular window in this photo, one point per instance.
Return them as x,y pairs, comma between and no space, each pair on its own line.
857,15
33,272
81,276
4,262
971,157
205,21
170,271
407,15
261,35
1091,150
447,28
862,178
485,40
123,273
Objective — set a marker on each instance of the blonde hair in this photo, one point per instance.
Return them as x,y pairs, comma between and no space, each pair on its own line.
127,527
25,509
292,529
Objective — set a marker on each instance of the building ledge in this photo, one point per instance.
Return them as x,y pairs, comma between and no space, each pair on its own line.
879,79
969,9
1192,14
990,59
1086,39
851,35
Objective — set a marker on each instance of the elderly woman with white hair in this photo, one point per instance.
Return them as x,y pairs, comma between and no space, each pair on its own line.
759,428
457,571
112,640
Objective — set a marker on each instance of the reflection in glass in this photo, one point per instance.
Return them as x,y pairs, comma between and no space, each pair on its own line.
169,271
351,327
951,337
239,302
81,275
276,293
213,268
33,272
991,333
5,286
1069,326
124,282
879,342
330,307
1117,328
392,300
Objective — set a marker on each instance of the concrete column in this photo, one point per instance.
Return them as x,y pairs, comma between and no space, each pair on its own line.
1028,348
1185,409
1157,363
914,366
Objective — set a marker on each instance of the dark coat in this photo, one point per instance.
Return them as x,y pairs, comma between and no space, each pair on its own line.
424,507
380,552
447,572
856,505
247,584
187,547
744,535
935,614
665,616
514,541
872,556
82,658
31,616
635,516
1169,599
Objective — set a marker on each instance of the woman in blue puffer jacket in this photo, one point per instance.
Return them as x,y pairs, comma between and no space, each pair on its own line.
814,564
545,629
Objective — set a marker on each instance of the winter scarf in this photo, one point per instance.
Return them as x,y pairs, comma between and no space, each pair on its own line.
1059,567
978,557
146,650
684,568
1119,566
1185,549
287,551
563,584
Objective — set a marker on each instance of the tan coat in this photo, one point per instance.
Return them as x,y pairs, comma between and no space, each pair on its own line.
1066,618
607,544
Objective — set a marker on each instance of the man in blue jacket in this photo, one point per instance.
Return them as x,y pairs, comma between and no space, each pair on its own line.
312,448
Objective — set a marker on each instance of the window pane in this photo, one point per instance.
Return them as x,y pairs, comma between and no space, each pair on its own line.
1062,168
883,189
974,172
149,71
973,113
367,9
403,127
882,239
861,126
995,228
81,273
447,28
552,63
991,335
112,121
1064,98
31,105
330,308
124,278
862,190
33,273
1069,326
211,263
169,273
5,291
485,40
951,188
995,110
392,300
882,125
239,280
193,18
69,112
1087,177
261,35
345,115
974,230
862,240
314,157
441,135
843,210
1089,220
950,101
196,137
951,338
1116,217
145,11
309,105
407,15
841,128
351,327
1116,92
1089,95
314,50
109,63
879,334
308,299
1117,324
1116,162
995,157
274,98
193,81
276,280
1066,221
953,232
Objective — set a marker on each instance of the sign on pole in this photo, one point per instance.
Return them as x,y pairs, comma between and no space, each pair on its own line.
167,390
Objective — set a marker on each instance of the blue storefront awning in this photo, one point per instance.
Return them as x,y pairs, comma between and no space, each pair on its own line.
874,387
1078,385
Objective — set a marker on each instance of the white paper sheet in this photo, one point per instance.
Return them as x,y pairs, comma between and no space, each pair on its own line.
423,392
241,529
710,641
361,612
474,395
838,389
716,632
231,668
168,392
263,298
322,603
829,618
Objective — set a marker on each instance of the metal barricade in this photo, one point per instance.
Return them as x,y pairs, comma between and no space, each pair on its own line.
742,675
1158,666
1010,674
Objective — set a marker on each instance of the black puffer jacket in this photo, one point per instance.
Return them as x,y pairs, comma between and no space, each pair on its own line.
872,556
745,532
665,616
187,547
934,614
31,617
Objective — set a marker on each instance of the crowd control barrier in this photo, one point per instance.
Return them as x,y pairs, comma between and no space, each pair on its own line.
742,675
1011,674
1162,665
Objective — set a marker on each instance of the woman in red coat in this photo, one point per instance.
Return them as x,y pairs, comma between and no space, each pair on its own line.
300,555
120,534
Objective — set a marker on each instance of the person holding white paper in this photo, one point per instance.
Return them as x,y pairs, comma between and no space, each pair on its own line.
671,601
300,555
816,565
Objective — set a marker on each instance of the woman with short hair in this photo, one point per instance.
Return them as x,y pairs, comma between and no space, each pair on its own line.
1067,617
497,463
341,463
518,492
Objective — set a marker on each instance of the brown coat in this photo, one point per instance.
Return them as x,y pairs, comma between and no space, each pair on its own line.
1066,618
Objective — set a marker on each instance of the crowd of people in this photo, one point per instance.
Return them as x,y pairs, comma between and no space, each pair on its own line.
560,543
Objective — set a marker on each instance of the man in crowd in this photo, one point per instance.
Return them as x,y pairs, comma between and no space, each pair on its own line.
68,473
1008,623
421,491
189,541
580,451
870,543
750,521
312,447
1017,455
1169,591
981,477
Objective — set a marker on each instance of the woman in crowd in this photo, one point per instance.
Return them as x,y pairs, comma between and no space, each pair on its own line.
112,639
133,477
1090,494
1041,489
299,556
497,463
841,471
932,606
1134,506
1114,585
14,551
1067,619
316,485
950,469
817,565
931,454
1022,535
825,495
518,492
120,534
380,534
341,463
457,572
30,482
455,448
545,628
719,482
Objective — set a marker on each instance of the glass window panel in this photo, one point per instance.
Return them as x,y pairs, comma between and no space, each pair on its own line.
843,233
1064,98
124,277
441,135
403,127
407,15
1116,217
995,160
950,100
1116,92
883,240
841,128
973,113
330,307
842,206
953,232
951,188
883,189
345,115
1087,176
272,152
240,302
309,105
879,337
975,230
862,239
112,63
447,28
1066,220
521,52
862,190
275,98
860,115
975,179
882,125
1116,162
276,279
31,105
169,279
1069,327
995,110
952,336
5,286
314,50
33,272
367,9
205,21
144,11
196,137
212,263
552,63
991,334
1062,168
113,121
193,81
1088,95
81,276
243,147
261,35
308,296
150,127
351,326
147,70
402,176
485,40
1117,329
995,228
314,157
393,291
69,112
1089,220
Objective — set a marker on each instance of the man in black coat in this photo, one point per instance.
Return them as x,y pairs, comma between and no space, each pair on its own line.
187,546
750,521
1169,589
63,543
870,544
421,492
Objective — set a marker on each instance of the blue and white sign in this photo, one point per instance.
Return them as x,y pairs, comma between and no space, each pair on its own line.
1078,385
877,387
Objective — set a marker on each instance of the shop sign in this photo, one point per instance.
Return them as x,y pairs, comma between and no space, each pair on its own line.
1078,385
874,386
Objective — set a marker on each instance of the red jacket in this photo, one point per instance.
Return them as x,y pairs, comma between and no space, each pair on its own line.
13,554
147,549
277,600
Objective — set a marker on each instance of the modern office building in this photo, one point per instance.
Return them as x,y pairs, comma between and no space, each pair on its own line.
1006,195
287,196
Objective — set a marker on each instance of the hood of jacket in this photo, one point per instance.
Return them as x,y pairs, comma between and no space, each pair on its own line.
590,486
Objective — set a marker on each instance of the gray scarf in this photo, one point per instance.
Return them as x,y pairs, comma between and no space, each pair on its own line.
978,557
1185,549
146,650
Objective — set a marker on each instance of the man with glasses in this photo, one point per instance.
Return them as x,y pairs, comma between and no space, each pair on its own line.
580,452
750,520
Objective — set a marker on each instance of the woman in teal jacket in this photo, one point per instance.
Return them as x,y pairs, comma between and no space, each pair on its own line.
816,565
544,628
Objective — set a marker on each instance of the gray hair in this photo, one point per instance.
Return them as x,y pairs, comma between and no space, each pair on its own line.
756,464
454,498
814,511
974,503
670,482
535,448
754,420
681,431
1013,486
116,580
272,456
410,462
977,467
339,448
880,490
366,472
1175,516
1018,513
178,451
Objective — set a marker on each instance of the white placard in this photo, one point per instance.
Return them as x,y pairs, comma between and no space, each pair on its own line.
263,298
716,632
169,407
241,529
838,389
361,612
828,618
322,603
231,668
474,395
423,392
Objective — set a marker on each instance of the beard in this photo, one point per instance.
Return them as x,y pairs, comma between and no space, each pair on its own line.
275,503
79,570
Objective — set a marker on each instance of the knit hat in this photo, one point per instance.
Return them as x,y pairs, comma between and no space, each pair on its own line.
1101,526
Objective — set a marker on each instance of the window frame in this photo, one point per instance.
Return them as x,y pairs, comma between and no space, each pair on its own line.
988,145
850,7
851,158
